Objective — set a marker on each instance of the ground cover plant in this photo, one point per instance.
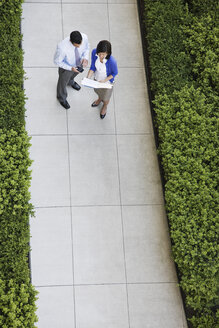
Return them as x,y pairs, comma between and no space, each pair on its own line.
182,42
17,295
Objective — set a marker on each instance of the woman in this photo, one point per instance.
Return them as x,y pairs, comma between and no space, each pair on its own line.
104,68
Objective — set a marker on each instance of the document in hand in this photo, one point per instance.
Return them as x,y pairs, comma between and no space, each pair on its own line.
94,84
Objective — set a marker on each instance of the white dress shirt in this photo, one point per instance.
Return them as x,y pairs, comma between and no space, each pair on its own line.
65,52
100,73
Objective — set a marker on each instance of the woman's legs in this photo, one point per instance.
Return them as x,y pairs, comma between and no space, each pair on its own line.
97,102
104,96
104,108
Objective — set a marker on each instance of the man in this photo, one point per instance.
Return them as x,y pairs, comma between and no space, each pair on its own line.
71,55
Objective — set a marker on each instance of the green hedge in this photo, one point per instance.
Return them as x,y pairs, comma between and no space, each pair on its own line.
182,53
17,304
169,64
188,144
202,7
15,208
12,98
17,295
201,44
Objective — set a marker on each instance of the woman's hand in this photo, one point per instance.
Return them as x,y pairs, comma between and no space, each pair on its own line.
106,79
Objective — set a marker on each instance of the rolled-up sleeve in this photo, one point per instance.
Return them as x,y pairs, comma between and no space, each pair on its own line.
85,53
112,69
59,59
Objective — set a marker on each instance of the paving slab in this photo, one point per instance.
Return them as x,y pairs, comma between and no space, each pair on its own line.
44,114
56,307
51,255
81,17
94,170
147,245
131,102
155,306
96,259
139,174
41,34
101,306
50,171
125,35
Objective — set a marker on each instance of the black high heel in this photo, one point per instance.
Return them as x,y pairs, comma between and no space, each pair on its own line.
94,104
102,116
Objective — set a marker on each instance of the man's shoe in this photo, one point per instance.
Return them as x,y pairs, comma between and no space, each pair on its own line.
76,86
65,104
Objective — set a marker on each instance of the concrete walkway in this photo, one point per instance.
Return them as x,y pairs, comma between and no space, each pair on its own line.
100,244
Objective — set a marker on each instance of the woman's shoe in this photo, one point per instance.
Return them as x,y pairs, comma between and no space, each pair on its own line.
102,116
94,104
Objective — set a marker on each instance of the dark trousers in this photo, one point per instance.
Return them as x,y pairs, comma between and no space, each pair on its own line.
65,78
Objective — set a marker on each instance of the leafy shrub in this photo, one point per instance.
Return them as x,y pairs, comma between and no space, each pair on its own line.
202,7
169,64
188,144
201,43
17,305
11,69
14,204
17,300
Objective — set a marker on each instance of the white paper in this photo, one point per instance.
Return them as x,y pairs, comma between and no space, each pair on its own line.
95,84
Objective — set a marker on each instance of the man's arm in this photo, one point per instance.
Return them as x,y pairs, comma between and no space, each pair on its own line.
85,53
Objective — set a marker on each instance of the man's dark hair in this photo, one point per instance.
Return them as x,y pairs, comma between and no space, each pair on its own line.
104,46
76,37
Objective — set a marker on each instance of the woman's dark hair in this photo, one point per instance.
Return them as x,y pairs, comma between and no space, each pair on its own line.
76,37
104,46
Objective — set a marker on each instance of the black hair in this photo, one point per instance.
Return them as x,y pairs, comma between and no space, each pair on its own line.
76,37
104,46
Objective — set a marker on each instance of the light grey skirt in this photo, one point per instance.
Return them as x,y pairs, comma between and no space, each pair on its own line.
104,94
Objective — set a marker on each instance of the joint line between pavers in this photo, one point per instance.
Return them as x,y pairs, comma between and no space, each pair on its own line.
112,284
89,134
96,205
69,172
119,182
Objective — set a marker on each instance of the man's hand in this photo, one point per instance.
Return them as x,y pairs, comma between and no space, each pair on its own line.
84,62
74,69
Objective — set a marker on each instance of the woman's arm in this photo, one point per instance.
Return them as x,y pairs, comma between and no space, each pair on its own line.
106,79
112,70
90,73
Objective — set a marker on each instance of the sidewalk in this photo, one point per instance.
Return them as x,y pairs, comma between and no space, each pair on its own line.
100,244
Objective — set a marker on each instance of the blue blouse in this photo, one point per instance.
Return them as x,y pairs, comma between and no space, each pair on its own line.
111,65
